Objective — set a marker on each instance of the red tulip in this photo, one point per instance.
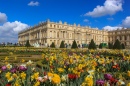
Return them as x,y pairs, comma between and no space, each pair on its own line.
72,76
8,85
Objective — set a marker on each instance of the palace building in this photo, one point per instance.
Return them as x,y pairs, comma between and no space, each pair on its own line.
47,32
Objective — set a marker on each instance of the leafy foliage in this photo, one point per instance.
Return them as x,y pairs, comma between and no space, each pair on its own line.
122,46
110,45
92,45
117,44
62,45
27,44
100,46
52,45
74,45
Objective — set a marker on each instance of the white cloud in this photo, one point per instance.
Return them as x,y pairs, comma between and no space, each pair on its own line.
9,31
126,22
110,7
3,17
110,28
13,26
32,3
86,20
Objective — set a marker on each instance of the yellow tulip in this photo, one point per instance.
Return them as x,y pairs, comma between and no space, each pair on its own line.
37,83
23,75
128,84
7,75
6,58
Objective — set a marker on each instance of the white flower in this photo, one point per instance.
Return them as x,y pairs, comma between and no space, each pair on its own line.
64,77
121,82
40,79
33,69
115,63
9,66
45,77
29,62
91,72
107,84
23,65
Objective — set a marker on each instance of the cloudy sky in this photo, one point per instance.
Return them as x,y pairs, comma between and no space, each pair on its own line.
16,15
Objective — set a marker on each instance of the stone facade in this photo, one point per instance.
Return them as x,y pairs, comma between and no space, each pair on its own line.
47,32
121,34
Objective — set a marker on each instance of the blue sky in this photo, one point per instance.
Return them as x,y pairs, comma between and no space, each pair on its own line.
16,15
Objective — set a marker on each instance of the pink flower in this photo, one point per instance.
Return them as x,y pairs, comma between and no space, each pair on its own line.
107,76
22,68
3,68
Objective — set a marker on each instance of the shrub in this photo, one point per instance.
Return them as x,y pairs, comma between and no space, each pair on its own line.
117,44
52,45
62,45
74,45
110,45
100,46
122,46
27,44
92,45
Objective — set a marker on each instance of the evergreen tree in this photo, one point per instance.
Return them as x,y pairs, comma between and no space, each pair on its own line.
100,46
92,45
117,44
27,44
110,45
74,45
122,46
52,45
62,45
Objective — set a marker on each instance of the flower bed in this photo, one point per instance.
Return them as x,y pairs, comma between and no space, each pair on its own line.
70,68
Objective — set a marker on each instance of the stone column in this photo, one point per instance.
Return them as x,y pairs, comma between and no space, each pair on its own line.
65,34
47,34
127,37
123,38
40,34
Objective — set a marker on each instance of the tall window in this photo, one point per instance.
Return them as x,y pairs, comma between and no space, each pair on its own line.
125,38
51,25
57,34
120,38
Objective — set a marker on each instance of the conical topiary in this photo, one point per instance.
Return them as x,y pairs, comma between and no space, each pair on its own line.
117,44
122,46
110,45
27,44
92,45
74,45
100,46
62,45
52,45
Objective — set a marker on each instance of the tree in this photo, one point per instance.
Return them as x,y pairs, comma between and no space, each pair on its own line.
52,45
92,45
27,44
110,45
122,46
74,45
62,45
100,46
117,44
